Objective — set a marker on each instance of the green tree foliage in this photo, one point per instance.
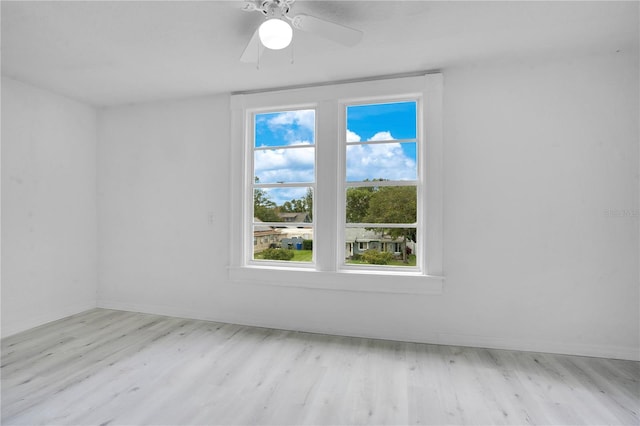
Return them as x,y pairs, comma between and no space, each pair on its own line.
263,208
294,206
277,254
392,204
299,205
308,198
388,204
358,203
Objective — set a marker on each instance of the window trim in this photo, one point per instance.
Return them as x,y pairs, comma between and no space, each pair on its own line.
326,273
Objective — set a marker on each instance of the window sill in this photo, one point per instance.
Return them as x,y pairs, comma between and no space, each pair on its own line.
343,280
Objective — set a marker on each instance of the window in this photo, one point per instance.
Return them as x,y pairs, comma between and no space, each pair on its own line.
339,186
283,152
382,184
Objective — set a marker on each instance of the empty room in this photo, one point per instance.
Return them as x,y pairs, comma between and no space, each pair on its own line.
292,212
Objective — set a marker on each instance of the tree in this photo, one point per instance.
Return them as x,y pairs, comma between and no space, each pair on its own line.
358,203
263,208
294,206
308,198
394,204
299,205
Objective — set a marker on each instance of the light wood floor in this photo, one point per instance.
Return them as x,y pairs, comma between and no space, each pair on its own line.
110,367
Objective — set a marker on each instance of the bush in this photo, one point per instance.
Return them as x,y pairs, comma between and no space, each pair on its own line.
277,254
307,244
376,257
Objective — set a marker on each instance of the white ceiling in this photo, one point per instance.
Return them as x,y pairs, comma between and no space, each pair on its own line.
116,52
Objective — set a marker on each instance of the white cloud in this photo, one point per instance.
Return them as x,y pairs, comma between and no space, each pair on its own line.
368,161
382,136
386,161
285,165
303,118
353,136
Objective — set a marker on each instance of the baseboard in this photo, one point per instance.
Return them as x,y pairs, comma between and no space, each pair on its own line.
169,311
10,328
451,339
545,346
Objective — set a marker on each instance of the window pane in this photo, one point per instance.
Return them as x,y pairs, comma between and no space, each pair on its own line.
384,204
288,204
285,128
380,246
284,165
376,122
388,161
287,243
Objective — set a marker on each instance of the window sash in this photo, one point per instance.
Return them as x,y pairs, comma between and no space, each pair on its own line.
418,183
251,149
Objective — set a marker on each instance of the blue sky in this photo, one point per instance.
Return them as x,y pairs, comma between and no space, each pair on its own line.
381,122
397,118
373,122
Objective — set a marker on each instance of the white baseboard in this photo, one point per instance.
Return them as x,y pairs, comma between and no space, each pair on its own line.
10,328
545,346
451,339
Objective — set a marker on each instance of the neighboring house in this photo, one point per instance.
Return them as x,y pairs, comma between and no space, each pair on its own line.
291,237
295,217
264,236
359,240
297,232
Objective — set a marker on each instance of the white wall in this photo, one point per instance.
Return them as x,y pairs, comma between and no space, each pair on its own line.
536,155
49,231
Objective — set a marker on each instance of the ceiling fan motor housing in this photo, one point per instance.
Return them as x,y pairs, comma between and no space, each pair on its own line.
270,8
278,10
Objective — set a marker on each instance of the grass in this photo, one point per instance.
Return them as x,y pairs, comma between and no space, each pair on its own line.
302,256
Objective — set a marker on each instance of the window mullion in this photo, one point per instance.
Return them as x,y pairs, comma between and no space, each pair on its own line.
326,177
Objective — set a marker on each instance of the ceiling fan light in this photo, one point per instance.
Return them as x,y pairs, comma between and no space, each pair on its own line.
275,34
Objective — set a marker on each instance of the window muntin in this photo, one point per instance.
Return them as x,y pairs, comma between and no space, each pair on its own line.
381,225
284,157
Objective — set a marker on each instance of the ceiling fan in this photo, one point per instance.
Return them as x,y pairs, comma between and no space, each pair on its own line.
276,31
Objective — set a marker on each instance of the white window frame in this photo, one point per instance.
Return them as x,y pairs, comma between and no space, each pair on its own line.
418,182
329,271
250,150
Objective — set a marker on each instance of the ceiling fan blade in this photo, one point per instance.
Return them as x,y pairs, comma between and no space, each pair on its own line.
329,30
254,49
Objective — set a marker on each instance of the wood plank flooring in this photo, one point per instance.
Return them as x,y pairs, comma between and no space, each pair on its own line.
105,367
